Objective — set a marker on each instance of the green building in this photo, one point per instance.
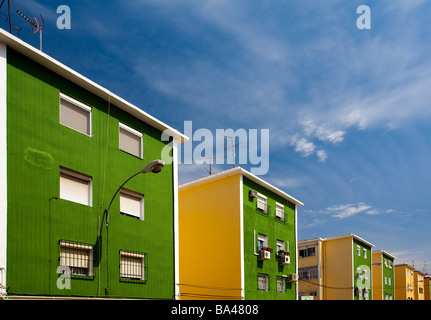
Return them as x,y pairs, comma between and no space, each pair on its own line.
237,238
383,275
66,146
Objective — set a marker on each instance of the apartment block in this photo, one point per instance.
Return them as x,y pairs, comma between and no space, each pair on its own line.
335,268
404,282
237,239
66,146
383,275
418,288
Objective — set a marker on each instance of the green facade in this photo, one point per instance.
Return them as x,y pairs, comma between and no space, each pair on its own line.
362,260
388,273
37,219
266,223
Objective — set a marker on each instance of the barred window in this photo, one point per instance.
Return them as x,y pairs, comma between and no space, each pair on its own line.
76,258
132,265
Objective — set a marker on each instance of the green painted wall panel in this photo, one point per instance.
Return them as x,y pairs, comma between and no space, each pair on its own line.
38,220
275,230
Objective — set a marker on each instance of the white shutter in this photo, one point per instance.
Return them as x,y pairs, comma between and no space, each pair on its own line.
132,203
130,141
75,114
75,187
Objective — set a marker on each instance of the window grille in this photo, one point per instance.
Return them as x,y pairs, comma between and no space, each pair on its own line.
76,258
132,265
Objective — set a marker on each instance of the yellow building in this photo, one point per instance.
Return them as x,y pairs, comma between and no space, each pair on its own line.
237,239
404,282
427,288
418,287
383,275
335,268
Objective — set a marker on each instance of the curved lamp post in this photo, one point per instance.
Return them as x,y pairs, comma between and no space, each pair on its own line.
154,166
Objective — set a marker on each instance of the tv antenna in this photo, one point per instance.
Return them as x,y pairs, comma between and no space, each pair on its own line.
36,25
7,18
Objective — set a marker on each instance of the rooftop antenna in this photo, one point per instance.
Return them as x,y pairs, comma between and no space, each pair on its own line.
36,25
7,18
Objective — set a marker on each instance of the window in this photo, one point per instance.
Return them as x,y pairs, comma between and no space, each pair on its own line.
281,284
358,250
262,282
130,141
389,281
75,115
280,245
262,241
307,252
262,203
365,253
279,211
132,265
75,186
132,203
308,273
76,258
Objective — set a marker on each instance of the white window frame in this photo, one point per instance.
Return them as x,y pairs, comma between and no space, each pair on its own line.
137,196
138,256
281,245
262,238
281,284
262,203
134,132
265,278
358,250
365,253
279,211
80,105
66,173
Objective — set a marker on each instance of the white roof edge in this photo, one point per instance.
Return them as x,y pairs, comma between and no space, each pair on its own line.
349,235
245,173
353,236
385,252
75,77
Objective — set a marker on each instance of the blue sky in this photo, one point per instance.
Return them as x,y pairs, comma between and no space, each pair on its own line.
348,110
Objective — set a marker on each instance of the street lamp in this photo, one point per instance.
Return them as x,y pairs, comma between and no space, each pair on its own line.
154,166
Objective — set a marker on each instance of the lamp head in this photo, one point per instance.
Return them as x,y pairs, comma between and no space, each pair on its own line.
154,166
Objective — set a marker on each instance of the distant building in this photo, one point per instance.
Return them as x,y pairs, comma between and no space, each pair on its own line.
404,282
335,268
418,287
237,239
383,275
427,287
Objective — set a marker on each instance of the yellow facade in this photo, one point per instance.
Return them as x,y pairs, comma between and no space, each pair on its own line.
376,268
338,275
418,288
404,282
312,287
427,295
209,237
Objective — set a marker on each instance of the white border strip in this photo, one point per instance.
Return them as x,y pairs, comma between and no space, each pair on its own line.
176,218
3,160
241,230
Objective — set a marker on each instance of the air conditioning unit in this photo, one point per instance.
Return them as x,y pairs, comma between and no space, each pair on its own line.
264,255
252,194
284,259
293,277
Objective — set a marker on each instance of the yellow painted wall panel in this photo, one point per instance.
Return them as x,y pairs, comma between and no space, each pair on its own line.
209,245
